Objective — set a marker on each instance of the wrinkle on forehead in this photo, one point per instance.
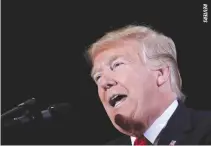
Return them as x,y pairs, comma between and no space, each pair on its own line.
129,49
107,62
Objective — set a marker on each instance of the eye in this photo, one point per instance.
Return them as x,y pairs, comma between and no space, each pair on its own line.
97,77
116,65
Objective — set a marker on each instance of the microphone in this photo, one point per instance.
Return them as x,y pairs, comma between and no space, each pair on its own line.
26,104
53,112
56,111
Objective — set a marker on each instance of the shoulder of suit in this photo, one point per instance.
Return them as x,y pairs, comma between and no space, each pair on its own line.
202,124
200,117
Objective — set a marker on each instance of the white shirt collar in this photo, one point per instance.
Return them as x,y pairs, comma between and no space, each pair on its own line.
154,130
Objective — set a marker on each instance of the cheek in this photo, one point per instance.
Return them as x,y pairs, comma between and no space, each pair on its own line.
133,77
139,82
123,75
104,103
101,95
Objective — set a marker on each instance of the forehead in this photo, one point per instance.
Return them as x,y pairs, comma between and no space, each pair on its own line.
122,47
126,49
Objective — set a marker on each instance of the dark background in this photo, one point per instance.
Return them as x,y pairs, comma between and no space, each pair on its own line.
43,44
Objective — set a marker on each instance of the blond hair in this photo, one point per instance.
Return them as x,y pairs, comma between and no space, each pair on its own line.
156,47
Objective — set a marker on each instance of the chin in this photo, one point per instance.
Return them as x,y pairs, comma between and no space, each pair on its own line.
120,124
121,130
132,132
128,126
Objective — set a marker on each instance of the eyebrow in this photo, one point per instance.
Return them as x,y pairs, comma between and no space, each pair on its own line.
111,59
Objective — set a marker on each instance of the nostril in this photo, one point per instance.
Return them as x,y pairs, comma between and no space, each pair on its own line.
110,84
107,83
107,86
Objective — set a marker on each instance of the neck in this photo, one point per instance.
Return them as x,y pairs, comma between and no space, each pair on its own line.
158,109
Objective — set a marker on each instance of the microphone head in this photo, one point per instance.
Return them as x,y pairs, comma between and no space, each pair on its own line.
28,102
58,111
61,109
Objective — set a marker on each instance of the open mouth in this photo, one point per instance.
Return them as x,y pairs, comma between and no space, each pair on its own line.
117,99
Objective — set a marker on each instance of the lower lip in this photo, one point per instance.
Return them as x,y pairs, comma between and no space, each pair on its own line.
120,103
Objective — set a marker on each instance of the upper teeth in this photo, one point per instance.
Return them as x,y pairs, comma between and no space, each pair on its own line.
114,96
116,99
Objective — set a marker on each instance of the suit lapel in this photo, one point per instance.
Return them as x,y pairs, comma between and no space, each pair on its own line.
177,127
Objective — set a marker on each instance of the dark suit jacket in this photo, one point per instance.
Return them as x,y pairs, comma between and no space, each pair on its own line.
186,126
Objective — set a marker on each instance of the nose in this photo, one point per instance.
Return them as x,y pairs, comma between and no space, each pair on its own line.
107,82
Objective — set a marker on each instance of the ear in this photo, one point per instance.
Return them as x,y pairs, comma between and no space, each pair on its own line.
163,75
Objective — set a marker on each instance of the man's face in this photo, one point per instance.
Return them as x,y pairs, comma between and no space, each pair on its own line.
126,86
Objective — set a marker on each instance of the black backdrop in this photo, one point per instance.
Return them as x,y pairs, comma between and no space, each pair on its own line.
42,56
